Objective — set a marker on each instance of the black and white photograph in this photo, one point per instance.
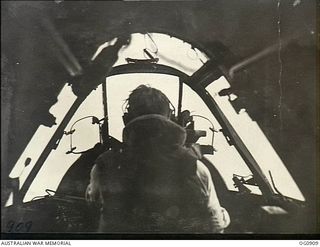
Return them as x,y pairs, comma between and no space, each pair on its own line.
160,119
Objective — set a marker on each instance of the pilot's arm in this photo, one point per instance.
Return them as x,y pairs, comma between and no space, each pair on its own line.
219,216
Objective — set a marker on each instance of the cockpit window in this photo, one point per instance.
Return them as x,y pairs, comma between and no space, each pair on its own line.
120,86
181,56
40,139
168,50
58,162
256,142
226,158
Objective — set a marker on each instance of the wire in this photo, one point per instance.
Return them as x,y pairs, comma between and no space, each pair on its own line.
49,190
147,54
71,132
193,56
239,176
195,51
147,51
213,130
273,184
153,42
37,197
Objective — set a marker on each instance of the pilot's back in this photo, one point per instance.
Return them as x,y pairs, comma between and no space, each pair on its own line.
154,184
149,195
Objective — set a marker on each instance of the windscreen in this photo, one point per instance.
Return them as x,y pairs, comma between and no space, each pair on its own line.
256,142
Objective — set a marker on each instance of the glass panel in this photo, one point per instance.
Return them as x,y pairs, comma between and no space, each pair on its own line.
119,87
170,51
226,159
42,136
58,162
257,143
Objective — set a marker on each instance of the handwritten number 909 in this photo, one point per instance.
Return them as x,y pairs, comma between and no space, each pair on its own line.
13,226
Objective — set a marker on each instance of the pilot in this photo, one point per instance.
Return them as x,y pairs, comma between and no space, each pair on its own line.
154,183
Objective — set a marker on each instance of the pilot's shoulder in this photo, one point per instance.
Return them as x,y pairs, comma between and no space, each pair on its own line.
202,169
203,172
107,158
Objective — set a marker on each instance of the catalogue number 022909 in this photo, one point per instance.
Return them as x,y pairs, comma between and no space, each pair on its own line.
308,242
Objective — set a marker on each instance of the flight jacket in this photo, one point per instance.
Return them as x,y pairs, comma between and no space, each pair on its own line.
155,183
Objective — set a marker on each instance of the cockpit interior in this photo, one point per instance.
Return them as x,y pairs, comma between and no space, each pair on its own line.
241,77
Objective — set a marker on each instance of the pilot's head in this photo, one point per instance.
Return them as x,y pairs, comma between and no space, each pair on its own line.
146,100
